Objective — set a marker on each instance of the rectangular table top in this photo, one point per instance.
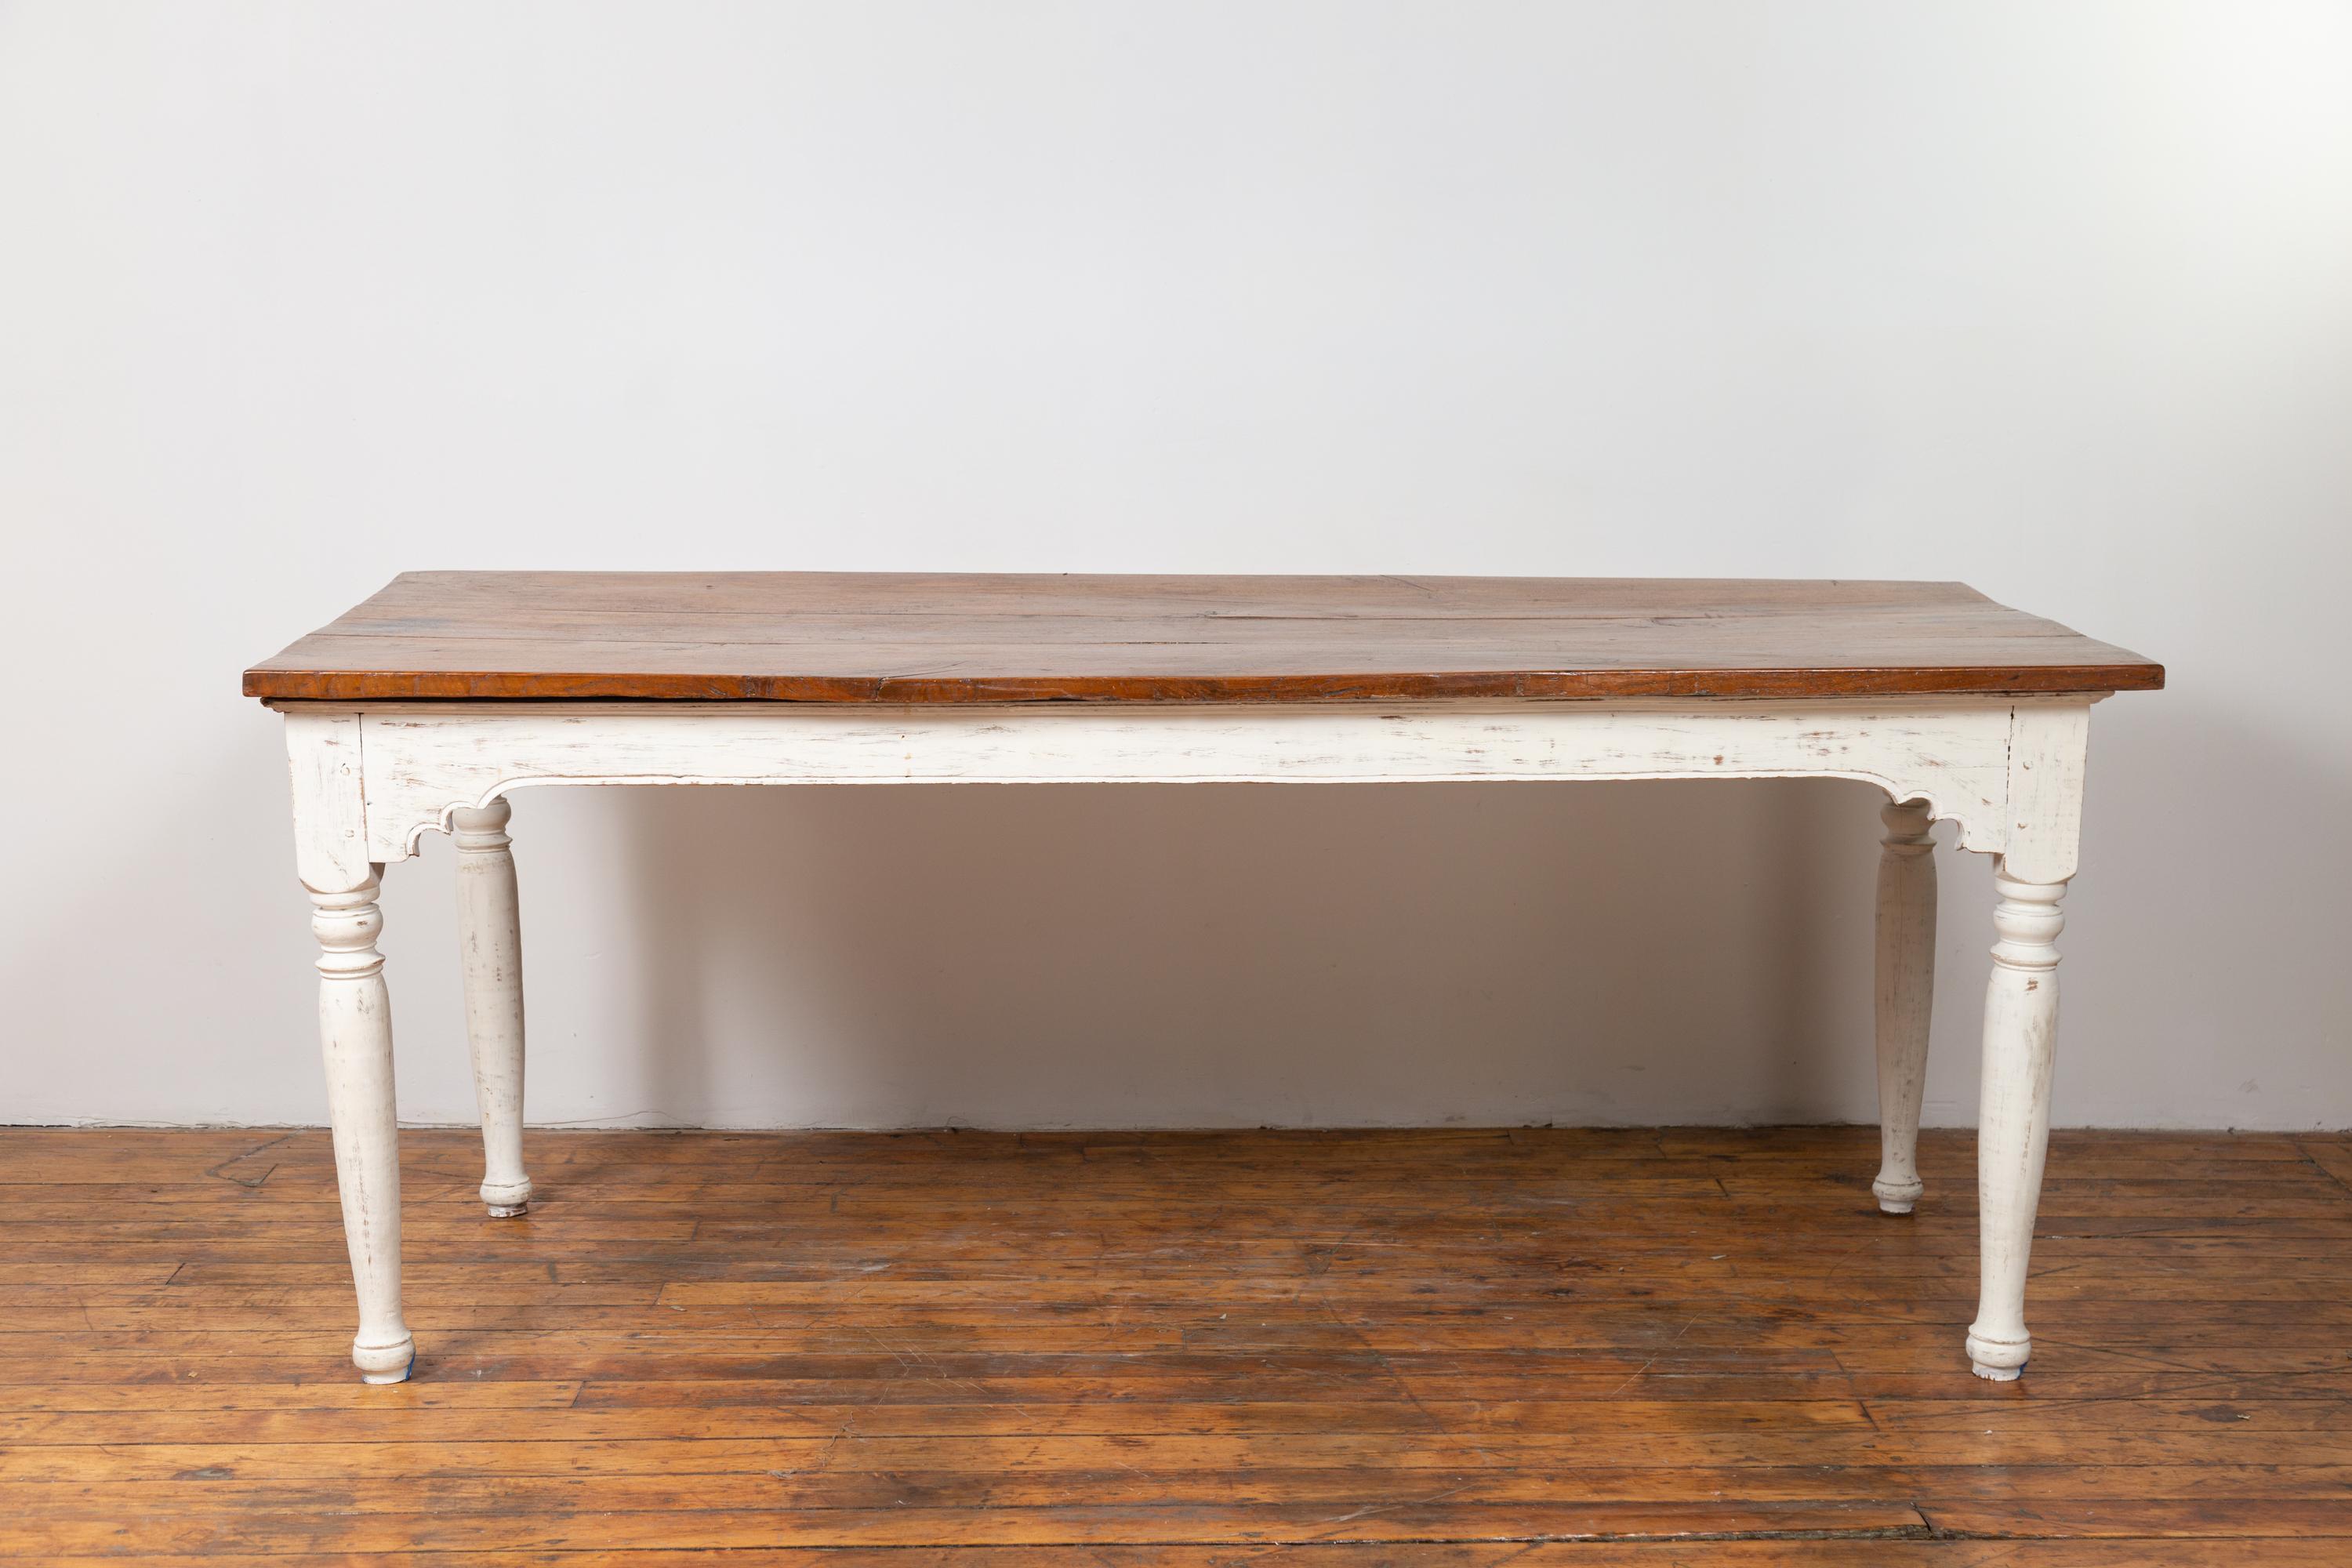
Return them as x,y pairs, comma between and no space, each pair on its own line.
911,637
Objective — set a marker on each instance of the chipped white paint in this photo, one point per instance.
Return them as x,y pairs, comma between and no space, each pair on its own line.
423,760
2020,1033
370,781
2048,748
1907,985
355,1034
489,941
322,751
354,1022
2041,835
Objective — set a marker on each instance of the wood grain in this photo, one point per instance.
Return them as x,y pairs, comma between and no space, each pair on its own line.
863,637
1687,1348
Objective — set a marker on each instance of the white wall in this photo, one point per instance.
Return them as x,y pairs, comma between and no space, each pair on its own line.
2053,299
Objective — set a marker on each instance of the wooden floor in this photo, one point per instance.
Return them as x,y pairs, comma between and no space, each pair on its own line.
1690,1348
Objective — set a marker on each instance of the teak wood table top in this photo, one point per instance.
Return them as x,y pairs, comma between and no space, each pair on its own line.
919,637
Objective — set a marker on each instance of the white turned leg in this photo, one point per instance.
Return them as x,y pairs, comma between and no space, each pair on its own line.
2013,1118
489,940
355,1031
1906,988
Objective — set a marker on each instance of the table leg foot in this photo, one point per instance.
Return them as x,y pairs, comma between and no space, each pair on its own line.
1997,1361
1897,1201
385,1364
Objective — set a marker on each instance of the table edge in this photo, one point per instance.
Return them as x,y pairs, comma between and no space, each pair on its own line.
478,686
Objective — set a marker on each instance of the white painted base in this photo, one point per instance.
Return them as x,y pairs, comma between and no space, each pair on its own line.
368,781
373,1361
1997,1361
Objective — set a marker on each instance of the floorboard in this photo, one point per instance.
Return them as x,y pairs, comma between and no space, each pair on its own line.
1623,1348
